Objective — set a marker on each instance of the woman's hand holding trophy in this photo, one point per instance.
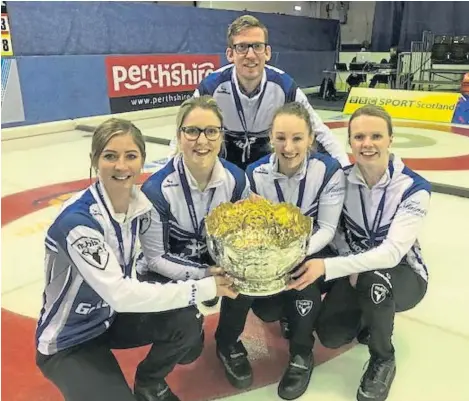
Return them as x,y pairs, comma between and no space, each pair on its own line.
223,281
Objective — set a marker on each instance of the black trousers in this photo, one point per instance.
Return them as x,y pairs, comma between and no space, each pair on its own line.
301,308
234,153
90,372
375,300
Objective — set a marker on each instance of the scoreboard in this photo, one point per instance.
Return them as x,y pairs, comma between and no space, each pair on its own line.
7,48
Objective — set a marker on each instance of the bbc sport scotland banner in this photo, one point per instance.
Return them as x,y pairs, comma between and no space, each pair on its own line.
413,105
12,100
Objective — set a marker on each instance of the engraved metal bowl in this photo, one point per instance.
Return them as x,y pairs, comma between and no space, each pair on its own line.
258,243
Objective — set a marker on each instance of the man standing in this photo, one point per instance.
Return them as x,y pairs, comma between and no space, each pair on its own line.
248,92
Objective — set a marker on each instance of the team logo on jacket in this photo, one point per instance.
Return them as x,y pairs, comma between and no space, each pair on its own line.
93,251
145,222
170,183
304,306
378,293
94,210
223,90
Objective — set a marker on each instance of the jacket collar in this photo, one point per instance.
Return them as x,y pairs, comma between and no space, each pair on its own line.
217,178
299,175
139,203
395,167
256,92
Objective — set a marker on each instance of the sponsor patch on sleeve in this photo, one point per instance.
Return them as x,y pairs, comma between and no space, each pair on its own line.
93,251
413,207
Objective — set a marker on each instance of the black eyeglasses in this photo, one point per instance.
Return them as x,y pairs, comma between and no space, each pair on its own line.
211,133
243,48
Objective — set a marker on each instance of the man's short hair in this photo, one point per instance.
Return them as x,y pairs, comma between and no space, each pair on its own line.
242,23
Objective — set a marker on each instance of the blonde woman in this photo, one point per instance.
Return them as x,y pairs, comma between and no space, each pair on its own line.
92,303
191,184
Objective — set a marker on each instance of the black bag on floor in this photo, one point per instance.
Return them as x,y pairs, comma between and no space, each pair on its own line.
328,86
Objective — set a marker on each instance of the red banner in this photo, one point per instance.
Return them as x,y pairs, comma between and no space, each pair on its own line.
147,75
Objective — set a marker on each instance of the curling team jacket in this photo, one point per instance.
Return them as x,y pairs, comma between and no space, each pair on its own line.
88,267
247,119
173,240
318,189
380,224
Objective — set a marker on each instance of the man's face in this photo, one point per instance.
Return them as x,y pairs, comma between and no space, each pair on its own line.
249,53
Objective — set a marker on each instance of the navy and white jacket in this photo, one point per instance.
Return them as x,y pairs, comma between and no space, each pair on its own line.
174,240
381,223
318,189
248,119
88,267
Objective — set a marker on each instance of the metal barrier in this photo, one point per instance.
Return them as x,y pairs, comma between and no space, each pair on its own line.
421,74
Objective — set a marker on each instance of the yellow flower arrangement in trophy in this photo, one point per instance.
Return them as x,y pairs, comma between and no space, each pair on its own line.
258,242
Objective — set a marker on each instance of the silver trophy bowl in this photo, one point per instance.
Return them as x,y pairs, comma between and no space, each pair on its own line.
258,243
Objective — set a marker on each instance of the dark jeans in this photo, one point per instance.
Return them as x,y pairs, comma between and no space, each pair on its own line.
375,300
90,372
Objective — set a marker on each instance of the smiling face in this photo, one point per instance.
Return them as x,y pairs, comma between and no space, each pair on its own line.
249,66
291,139
202,153
370,140
120,164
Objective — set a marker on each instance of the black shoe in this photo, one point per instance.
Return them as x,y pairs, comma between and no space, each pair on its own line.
285,328
238,370
377,379
296,378
363,336
210,302
157,391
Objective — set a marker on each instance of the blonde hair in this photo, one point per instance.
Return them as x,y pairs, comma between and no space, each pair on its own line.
372,111
242,23
108,130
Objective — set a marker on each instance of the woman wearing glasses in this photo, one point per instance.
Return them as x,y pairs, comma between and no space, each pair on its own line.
191,184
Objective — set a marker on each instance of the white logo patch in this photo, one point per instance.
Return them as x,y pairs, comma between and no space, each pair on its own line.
93,251
304,306
378,293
